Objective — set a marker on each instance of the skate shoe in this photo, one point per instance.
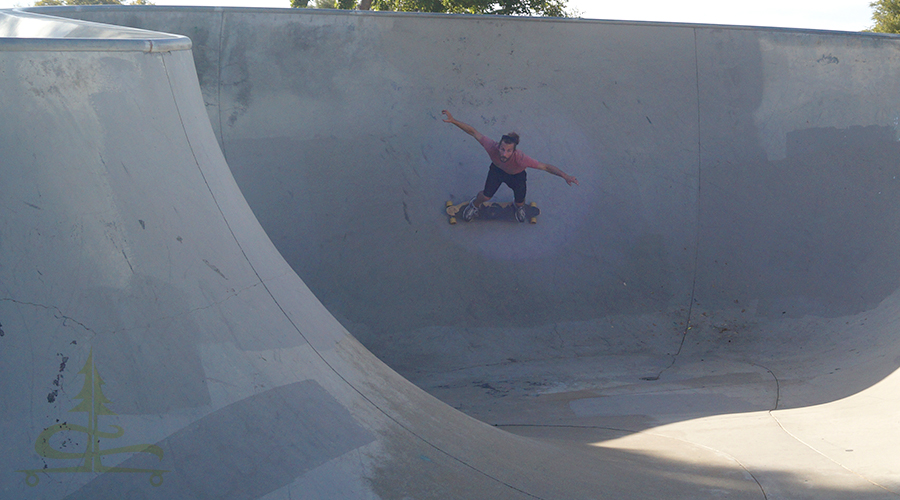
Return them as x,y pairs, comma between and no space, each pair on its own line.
471,211
520,213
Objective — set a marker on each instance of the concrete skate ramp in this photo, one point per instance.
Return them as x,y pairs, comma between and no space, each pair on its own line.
712,313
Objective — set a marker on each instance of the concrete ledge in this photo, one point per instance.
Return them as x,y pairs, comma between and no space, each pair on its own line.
64,11
30,31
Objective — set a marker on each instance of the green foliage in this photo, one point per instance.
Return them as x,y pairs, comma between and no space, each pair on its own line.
886,16
324,4
316,4
551,8
410,5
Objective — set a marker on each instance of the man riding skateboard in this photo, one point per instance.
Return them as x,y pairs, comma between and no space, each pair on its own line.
507,167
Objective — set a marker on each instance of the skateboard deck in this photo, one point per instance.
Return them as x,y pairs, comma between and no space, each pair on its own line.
494,211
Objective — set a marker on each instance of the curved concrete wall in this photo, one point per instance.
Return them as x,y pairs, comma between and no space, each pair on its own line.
742,174
729,251
154,344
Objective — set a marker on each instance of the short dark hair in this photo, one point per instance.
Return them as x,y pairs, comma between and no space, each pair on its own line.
510,138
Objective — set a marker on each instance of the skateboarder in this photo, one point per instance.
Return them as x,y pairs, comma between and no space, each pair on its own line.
507,167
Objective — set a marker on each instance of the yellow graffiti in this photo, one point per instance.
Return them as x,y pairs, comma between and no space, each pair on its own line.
93,402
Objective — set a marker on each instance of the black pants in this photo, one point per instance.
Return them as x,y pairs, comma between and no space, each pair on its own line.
515,182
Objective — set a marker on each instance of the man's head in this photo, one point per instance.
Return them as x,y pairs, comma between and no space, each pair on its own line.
508,146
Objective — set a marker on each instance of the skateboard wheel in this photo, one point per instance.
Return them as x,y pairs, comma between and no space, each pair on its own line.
452,220
449,203
533,204
534,220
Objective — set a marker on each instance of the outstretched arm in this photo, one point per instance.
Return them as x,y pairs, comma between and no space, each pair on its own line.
556,171
463,126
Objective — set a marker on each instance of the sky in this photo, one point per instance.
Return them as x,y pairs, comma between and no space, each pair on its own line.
840,15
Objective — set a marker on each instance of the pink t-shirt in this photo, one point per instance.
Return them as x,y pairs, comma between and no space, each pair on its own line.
517,163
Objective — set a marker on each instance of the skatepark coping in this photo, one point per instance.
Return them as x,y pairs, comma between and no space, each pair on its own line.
26,31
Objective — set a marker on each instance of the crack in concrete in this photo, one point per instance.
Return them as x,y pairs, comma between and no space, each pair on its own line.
827,457
59,312
66,318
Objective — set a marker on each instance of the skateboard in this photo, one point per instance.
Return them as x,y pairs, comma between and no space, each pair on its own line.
494,211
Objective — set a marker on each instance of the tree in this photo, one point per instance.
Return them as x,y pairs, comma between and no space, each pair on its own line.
550,8
886,16
317,4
